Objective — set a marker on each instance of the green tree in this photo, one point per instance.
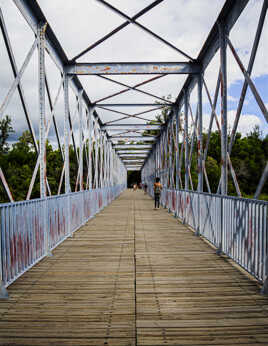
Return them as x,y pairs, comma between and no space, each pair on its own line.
5,130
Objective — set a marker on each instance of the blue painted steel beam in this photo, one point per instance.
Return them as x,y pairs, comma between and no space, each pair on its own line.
134,138
132,146
132,152
133,155
131,127
101,105
119,68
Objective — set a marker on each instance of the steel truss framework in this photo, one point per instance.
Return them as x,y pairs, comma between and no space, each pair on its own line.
163,155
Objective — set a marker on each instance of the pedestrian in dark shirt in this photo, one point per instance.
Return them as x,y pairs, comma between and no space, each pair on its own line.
157,192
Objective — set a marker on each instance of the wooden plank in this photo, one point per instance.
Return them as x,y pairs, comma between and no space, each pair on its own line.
134,276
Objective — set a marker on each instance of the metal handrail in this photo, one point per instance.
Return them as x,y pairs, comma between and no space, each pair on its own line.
237,227
30,230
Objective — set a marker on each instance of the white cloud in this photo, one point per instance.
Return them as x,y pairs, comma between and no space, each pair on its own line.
231,98
246,124
185,23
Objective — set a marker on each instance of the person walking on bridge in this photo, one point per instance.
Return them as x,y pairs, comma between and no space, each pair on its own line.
157,192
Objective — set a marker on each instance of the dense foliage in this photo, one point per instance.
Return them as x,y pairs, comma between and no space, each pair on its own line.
249,156
18,162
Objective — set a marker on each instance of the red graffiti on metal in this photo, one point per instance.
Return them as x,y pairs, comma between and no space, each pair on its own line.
181,204
100,199
173,200
20,252
11,252
27,249
250,233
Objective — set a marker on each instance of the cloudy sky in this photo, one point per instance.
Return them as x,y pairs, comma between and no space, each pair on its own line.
184,23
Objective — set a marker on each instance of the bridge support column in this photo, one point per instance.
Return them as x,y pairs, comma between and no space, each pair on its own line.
224,140
90,126
42,108
223,82
81,146
200,150
186,149
42,130
66,150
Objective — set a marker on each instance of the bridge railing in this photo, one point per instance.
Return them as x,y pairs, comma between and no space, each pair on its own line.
31,229
237,227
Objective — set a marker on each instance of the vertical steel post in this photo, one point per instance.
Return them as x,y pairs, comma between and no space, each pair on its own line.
66,133
223,83
109,164
104,161
66,150
106,181
200,151
42,108
186,145
90,113
158,159
200,135
80,106
166,160
96,157
101,159
41,29
155,162
169,154
186,149
223,77
177,147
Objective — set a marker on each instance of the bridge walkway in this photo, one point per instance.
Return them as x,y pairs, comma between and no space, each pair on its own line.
134,276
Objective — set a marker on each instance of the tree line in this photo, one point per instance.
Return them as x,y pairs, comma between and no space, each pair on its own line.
17,161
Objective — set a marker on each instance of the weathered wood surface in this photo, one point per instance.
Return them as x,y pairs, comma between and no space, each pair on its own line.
134,276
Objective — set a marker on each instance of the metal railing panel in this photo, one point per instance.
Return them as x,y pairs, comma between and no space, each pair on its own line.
31,229
238,227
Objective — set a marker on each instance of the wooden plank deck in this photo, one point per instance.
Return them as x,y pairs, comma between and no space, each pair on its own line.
134,276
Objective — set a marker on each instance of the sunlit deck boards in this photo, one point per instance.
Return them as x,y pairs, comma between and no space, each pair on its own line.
134,276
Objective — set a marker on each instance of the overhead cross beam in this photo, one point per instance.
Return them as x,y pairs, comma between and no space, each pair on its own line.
132,152
143,28
133,155
121,68
122,113
127,116
132,146
134,138
102,105
131,127
132,162
117,29
134,88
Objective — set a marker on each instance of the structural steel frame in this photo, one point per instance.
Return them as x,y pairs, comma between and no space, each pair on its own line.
110,149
